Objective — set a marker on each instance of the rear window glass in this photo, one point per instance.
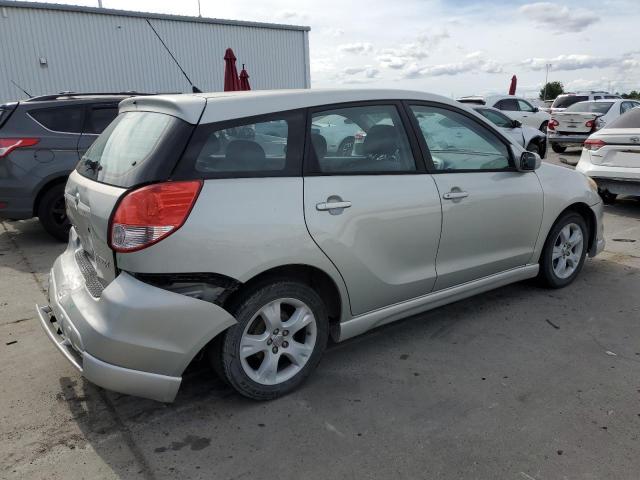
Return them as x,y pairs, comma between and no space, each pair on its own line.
136,147
590,107
5,111
264,146
630,119
60,119
564,102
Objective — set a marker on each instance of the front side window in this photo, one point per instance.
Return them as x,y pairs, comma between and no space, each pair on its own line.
525,106
367,139
496,118
60,119
457,143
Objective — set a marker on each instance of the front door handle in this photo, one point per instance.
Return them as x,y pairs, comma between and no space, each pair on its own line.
452,195
332,205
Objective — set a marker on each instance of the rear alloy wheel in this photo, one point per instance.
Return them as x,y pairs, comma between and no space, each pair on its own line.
607,197
564,251
281,333
52,213
345,149
558,148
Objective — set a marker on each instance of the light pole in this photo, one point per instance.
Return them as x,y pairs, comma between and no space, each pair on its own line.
199,12
546,82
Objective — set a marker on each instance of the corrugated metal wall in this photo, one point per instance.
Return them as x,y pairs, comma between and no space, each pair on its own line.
95,52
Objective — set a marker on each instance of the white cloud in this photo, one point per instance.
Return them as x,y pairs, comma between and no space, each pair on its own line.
291,16
570,62
358,48
474,62
559,19
404,54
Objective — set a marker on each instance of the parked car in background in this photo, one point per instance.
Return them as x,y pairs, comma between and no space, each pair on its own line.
565,100
528,137
611,157
41,141
339,132
255,258
514,107
572,126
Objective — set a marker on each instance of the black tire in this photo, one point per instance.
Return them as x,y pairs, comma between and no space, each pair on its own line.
607,197
547,276
345,149
226,357
543,127
558,148
536,147
52,213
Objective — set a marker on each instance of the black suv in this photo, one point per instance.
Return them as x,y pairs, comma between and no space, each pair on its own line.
41,141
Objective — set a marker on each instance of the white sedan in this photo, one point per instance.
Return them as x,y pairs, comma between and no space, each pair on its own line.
611,157
514,107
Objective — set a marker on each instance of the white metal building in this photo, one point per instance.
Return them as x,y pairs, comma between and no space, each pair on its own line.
49,48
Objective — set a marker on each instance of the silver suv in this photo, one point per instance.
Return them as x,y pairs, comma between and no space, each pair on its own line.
223,225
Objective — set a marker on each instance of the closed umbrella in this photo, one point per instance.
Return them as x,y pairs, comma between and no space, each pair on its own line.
244,79
231,80
512,87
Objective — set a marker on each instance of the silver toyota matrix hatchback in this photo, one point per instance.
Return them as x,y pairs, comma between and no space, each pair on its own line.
250,227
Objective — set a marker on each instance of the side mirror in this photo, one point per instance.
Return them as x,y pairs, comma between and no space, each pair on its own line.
529,161
536,109
516,124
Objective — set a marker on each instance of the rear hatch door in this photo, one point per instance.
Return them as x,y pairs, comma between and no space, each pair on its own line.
139,147
573,122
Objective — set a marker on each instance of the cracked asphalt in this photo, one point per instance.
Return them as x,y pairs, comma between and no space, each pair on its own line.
518,383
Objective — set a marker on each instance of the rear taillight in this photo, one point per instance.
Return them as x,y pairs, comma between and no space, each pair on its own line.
553,123
147,215
590,124
593,144
8,145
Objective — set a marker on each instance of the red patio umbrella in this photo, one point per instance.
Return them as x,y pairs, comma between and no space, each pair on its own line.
231,80
244,79
512,87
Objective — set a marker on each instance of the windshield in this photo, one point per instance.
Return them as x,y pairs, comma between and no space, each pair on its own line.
495,117
564,102
132,149
629,119
590,107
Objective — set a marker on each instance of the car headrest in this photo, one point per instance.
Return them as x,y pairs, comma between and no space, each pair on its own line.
211,146
245,153
381,140
319,145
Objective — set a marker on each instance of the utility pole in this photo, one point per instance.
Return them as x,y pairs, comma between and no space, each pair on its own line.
99,3
199,12
546,82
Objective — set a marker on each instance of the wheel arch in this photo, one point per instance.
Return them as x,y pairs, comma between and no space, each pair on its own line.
589,216
314,277
48,184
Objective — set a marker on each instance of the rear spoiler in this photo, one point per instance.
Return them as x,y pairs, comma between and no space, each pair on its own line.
185,107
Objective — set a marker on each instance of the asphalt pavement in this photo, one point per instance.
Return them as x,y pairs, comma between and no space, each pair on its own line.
518,383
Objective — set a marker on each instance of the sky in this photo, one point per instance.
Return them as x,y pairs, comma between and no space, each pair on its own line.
449,47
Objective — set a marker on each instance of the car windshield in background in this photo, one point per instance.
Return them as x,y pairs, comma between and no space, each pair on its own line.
590,107
497,118
630,119
120,155
564,102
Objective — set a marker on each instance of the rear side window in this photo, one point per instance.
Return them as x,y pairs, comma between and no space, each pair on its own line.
564,102
136,147
60,119
265,146
510,105
98,118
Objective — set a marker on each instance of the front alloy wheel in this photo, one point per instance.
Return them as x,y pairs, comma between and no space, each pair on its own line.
564,251
281,333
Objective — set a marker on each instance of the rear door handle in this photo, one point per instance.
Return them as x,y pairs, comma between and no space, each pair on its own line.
332,205
453,195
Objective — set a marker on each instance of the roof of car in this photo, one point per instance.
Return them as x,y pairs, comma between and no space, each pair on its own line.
229,105
72,96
